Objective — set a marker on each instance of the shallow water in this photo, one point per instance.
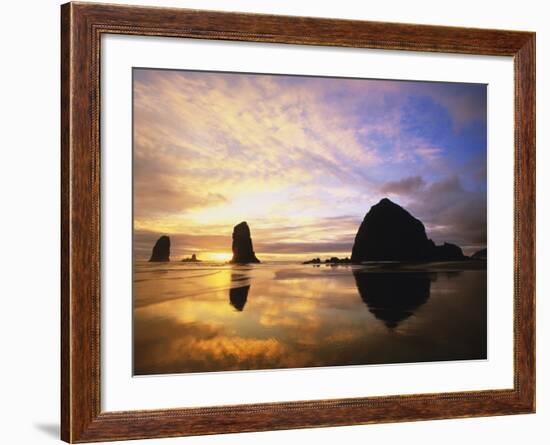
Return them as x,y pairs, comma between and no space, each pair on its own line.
218,317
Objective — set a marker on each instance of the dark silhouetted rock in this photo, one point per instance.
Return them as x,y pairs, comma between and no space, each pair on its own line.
243,252
390,233
238,297
392,297
480,255
448,252
336,260
161,251
333,260
313,261
193,259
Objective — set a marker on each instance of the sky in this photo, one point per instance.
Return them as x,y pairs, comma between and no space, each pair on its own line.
302,160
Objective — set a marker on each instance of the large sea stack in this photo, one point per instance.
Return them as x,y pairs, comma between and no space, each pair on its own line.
243,252
390,233
161,251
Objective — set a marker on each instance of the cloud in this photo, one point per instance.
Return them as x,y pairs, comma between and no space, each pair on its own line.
288,153
328,236
465,103
343,246
450,212
182,244
453,214
403,186
429,153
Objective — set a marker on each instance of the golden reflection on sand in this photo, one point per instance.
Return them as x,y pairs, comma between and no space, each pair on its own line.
216,317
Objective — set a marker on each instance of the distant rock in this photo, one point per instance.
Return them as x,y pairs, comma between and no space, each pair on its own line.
243,252
193,259
336,260
448,252
313,261
333,260
161,250
480,255
390,233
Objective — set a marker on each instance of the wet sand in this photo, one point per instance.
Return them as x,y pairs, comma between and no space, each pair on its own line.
217,317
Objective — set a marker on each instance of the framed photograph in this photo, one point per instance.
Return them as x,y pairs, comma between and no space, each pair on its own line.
274,222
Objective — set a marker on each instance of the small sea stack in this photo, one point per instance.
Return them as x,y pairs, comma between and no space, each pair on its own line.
161,250
192,259
448,252
243,252
480,255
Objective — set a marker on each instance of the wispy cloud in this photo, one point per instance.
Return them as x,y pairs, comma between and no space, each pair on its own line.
404,186
301,159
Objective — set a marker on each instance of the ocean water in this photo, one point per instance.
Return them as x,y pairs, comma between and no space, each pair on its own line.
204,317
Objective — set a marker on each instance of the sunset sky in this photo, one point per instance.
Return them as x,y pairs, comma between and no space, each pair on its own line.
302,160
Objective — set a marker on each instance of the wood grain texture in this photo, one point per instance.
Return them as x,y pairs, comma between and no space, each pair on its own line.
65,226
81,28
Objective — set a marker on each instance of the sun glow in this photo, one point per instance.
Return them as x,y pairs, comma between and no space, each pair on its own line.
219,256
301,159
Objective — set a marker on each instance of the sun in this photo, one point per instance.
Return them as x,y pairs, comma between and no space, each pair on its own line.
220,256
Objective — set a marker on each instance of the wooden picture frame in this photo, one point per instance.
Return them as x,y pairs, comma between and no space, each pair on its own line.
82,25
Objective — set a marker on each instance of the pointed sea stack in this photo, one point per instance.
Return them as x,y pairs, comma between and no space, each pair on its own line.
243,251
390,233
161,251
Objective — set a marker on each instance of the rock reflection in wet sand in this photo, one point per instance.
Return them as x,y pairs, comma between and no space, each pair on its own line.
238,292
393,296
216,317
